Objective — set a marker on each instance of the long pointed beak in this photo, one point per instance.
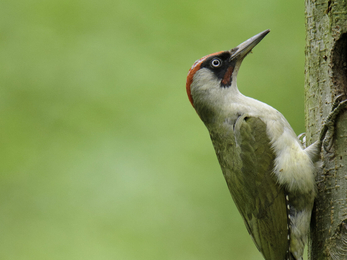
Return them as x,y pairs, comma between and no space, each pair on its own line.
244,48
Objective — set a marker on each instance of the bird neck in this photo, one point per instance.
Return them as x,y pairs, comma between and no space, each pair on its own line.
213,106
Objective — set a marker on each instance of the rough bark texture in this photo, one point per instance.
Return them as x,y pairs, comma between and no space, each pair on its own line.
325,78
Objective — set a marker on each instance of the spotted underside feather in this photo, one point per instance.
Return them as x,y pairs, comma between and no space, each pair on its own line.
246,158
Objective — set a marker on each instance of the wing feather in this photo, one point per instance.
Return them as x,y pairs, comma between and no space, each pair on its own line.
247,162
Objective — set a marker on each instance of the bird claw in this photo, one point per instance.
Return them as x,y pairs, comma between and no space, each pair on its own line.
328,130
302,139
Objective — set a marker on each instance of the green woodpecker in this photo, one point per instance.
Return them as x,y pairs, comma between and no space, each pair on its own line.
268,172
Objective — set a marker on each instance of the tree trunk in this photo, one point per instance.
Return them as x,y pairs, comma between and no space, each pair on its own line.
326,78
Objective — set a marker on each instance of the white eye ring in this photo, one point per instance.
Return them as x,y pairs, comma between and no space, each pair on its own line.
216,62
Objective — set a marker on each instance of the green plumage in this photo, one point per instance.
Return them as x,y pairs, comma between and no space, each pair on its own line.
247,161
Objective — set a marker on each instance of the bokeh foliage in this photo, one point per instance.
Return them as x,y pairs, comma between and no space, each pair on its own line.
103,157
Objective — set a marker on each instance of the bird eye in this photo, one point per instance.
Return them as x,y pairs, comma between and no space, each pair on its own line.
216,63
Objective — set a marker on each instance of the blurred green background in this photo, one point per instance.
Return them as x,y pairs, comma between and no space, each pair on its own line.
103,156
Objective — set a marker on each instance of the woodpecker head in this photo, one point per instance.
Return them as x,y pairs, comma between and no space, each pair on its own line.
212,79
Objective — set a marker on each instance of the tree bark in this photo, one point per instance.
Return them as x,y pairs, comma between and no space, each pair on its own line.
326,78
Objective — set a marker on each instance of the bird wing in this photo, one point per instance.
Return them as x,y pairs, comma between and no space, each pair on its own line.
247,162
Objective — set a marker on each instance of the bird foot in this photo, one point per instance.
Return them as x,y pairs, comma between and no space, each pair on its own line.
328,129
302,139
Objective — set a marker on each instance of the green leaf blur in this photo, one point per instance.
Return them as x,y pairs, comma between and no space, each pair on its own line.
103,156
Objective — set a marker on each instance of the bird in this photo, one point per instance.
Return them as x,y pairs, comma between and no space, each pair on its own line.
268,171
